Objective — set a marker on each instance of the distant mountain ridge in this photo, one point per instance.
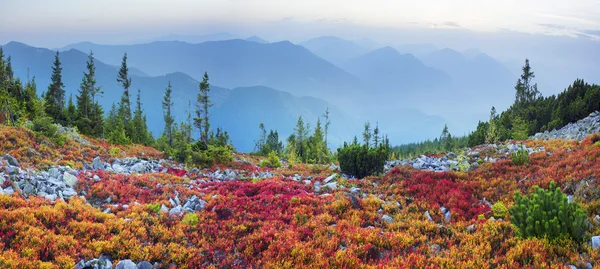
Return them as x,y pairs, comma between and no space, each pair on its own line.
237,63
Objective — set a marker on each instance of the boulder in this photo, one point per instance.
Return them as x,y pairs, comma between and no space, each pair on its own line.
69,179
118,168
53,173
330,178
175,210
126,264
596,241
387,219
144,265
97,164
138,168
11,160
164,209
428,216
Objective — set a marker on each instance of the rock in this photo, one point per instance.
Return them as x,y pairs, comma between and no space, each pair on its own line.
428,216
443,210
596,241
9,191
138,168
11,170
331,185
126,264
118,168
97,164
354,190
53,172
11,160
329,178
471,228
447,216
570,198
387,219
69,192
96,178
144,265
175,210
69,179
164,209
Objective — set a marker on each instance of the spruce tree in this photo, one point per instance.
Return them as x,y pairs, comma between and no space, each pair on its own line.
140,128
376,137
526,92
203,105
367,134
71,112
327,123
300,139
125,80
55,96
167,103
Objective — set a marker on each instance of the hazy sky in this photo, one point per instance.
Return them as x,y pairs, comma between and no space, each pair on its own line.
64,21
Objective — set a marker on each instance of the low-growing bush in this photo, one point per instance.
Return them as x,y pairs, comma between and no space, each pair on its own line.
499,210
115,152
45,126
547,213
520,157
272,161
190,219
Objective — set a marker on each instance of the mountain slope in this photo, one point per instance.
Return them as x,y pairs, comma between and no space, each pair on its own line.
236,63
476,76
239,111
394,74
334,49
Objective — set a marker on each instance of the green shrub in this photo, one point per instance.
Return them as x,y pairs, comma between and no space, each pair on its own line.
214,155
597,144
520,157
114,151
154,207
272,161
547,213
481,217
118,137
190,219
499,210
361,161
45,127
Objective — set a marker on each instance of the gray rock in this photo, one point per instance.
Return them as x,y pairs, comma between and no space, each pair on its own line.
118,168
570,198
69,179
138,168
126,264
331,185
11,160
387,219
354,190
443,210
329,178
175,210
428,216
144,265
447,216
69,192
96,178
11,170
97,164
9,191
596,241
164,209
54,173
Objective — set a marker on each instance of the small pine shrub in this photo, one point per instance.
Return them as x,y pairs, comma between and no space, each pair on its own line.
499,210
44,126
154,207
272,161
547,213
520,157
114,151
190,219
360,161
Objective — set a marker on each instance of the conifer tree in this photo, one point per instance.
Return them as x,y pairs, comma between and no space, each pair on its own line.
125,80
376,137
526,92
492,133
167,104
367,134
202,121
140,128
327,123
55,96
71,112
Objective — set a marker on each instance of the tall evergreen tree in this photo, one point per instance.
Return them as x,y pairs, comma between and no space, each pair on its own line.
526,92
367,134
55,96
491,136
125,80
376,137
167,104
203,105
301,135
71,112
140,128
327,123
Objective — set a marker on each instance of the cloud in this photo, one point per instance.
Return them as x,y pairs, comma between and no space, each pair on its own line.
452,24
553,26
592,32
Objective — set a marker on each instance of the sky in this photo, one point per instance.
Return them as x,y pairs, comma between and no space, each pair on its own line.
60,22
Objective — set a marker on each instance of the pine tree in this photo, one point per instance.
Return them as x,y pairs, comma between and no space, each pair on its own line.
300,139
168,117
446,139
140,128
492,133
327,123
376,135
260,144
318,144
71,112
367,134
525,91
55,96
203,105
125,104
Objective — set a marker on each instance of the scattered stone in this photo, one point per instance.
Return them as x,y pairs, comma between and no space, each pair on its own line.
387,219
69,179
97,164
126,264
11,160
574,131
144,265
175,210
596,241
164,209
428,216
330,178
